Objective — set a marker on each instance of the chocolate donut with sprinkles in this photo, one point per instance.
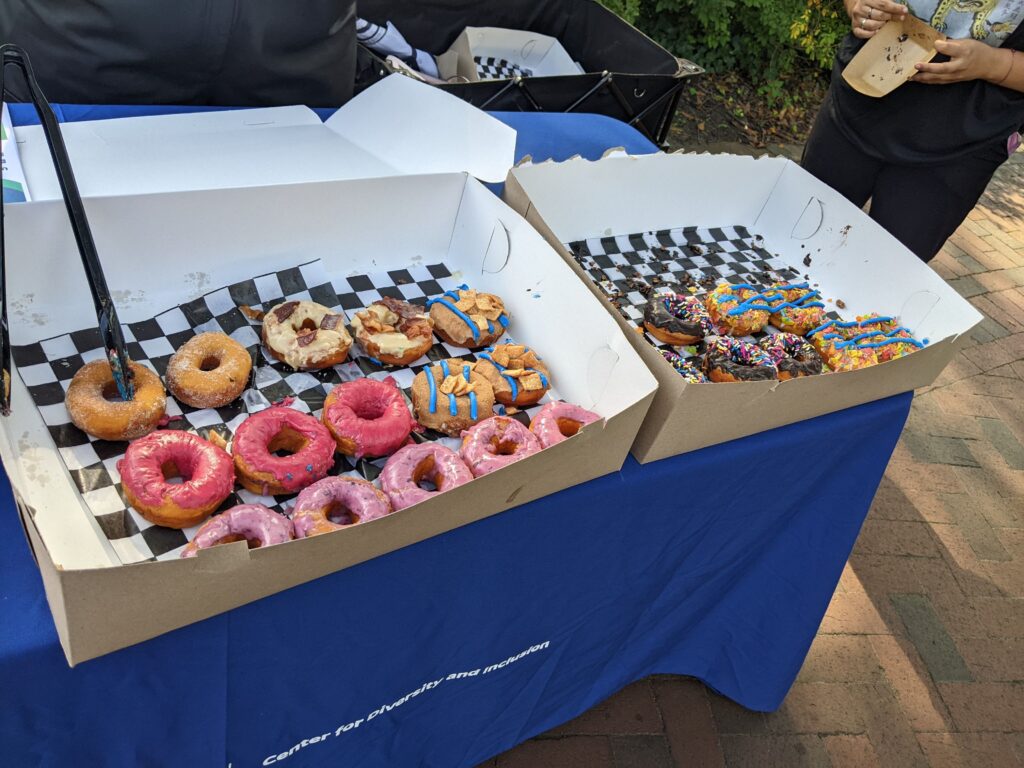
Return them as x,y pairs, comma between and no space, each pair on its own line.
468,318
793,355
450,396
689,370
677,319
727,360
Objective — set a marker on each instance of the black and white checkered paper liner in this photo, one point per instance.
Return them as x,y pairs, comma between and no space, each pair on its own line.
47,367
496,68
627,268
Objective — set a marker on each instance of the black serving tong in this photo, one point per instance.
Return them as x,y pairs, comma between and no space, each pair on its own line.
106,314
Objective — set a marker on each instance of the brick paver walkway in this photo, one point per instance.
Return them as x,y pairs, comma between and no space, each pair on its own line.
920,658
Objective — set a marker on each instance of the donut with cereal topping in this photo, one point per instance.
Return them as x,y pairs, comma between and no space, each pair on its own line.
517,375
739,310
468,318
451,396
795,307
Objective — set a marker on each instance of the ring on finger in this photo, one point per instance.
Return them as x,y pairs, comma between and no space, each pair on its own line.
863,22
871,13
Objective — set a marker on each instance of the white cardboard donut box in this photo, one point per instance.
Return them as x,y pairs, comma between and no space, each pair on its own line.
804,225
180,202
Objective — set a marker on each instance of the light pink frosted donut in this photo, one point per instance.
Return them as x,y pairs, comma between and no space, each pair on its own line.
354,500
254,523
559,420
410,465
495,443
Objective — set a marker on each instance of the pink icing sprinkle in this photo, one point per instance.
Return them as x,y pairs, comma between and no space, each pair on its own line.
545,423
480,444
207,470
165,420
397,481
253,522
254,435
284,401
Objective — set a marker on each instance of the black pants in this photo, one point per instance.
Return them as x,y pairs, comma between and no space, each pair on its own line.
921,205
227,52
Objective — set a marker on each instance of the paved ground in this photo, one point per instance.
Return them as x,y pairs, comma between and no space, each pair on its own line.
920,658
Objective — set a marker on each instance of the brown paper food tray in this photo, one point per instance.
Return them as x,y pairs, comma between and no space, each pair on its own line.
885,63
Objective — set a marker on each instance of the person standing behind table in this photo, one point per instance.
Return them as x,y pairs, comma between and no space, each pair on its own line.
924,153
223,52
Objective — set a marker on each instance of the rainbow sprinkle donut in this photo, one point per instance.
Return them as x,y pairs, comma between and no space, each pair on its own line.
739,310
847,346
689,370
676,319
792,355
795,307
727,359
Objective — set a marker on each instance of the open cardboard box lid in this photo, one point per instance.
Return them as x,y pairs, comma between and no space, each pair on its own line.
541,55
811,227
397,127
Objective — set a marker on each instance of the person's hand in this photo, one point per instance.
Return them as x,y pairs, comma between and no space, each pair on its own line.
869,16
968,60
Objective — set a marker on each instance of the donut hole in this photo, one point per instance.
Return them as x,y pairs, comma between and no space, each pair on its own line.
306,326
503,447
341,515
209,363
569,427
233,537
111,393
425,476
370,410
287,442
173,475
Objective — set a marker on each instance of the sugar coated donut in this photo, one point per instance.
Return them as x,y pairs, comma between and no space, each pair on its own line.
468,318
205,470
793,356
414,464
495,443
209,370
677,319
516,374
727,359
307,442
835,343
795,307
686,368
305,335
393,331
367,417
558,421
451,396
253,523
335,503
739,310
97,409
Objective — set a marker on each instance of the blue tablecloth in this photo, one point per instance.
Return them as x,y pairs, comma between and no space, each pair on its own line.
717,564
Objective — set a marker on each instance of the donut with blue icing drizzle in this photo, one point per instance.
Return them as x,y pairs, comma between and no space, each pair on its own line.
451,396
517,374
468,318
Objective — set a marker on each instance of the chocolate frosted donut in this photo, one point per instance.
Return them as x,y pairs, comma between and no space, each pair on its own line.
677,319
792,355
728,359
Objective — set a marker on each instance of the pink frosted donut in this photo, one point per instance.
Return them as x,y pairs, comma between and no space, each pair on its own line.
308,446
205,470
495,443
253,523
559,420
413,464
348,498
367,417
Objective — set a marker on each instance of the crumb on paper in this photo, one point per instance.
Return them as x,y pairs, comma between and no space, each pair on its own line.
252,313
807,260
840,303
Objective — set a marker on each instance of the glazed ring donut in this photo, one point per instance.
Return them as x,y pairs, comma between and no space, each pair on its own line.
209,371
394,332
451,396
516,374
739,310
206,472
559,421
495,443
96,408
335,503
305,335
727,359
793,356
414,464
690,371
309,446
677,319
367,417
468,318
834,342
253,523
795,308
